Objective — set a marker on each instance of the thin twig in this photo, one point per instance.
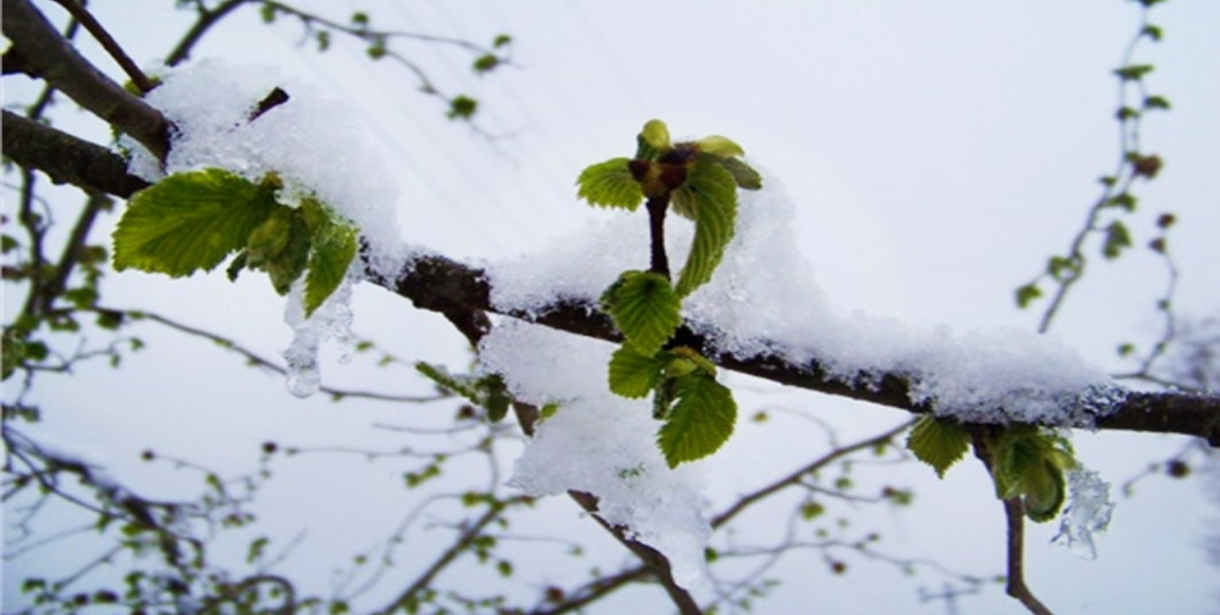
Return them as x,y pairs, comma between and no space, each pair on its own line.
95,28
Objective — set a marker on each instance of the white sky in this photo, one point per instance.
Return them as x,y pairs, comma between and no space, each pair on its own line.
938,152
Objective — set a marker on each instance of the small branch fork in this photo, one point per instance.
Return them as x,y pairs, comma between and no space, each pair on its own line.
1014,513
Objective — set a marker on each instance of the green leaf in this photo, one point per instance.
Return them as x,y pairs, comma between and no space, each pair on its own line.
610,184
333,243
645,308
656,135
284,268
1124,200
189,221
1156,102
745,175
715,195
271,237
1045,492
1029,462
462,108
634,374
377,48
1026,295
717,145
1117,238
1133,72
939,443
486,63
700,422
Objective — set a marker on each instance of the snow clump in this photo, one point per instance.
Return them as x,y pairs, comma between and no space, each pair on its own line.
599,443
315,145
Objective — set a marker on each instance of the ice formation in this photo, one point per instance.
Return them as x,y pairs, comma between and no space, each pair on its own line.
1087,513
315,145
600,444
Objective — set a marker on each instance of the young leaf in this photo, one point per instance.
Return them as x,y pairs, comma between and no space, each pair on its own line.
700,422
745,175
271,237
634,374
610,184
284,268
1026,294
1117,238
715,197
717,145
656,135
1045,492
645,308
333,246
189,221
1029,462
938,443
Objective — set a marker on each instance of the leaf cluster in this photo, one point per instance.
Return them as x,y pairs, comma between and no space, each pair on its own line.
193,221
1026,461
699,180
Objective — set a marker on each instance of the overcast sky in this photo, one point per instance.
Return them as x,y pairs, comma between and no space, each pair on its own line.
938,153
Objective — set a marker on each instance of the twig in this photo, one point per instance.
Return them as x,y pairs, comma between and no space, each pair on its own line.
207,19
86,19
796,476
1014,510
407,597
265,363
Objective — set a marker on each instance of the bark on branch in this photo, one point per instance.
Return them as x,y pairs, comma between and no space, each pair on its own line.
67,159
440,284
45,54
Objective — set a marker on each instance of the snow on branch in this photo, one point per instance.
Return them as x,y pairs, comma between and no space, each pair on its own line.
437,283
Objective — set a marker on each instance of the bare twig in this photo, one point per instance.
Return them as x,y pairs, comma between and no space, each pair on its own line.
95,28
795,477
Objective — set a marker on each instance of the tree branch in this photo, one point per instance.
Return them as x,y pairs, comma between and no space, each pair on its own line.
67,159
47,55
137,76
461,292
439,284
207,19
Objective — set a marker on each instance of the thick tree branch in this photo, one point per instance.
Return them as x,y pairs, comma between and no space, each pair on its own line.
67,159
440,284
45,54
